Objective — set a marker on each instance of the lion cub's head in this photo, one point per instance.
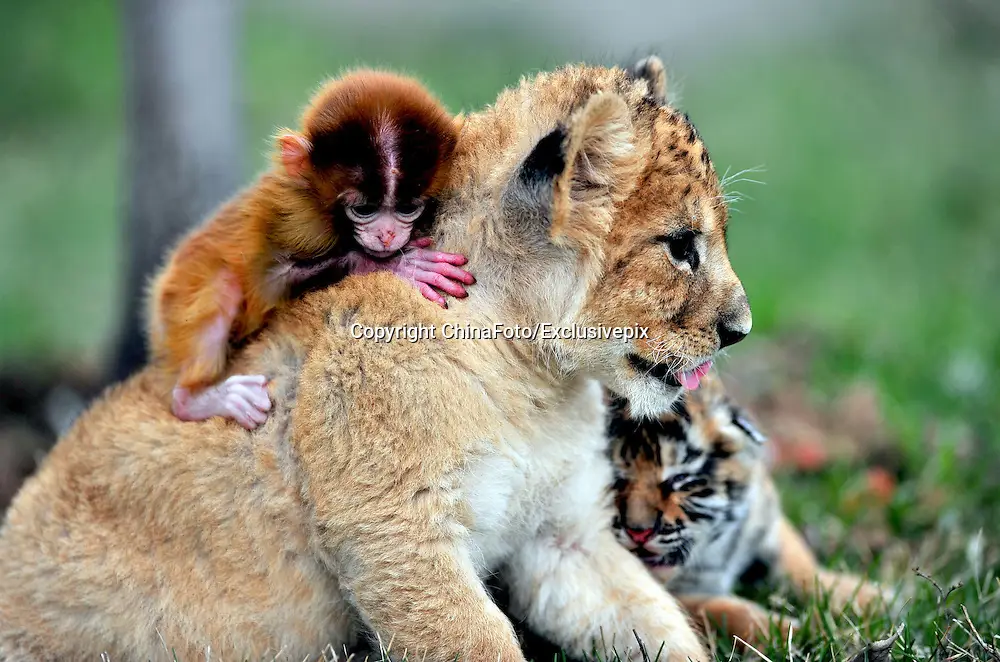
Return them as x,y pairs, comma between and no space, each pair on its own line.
604,212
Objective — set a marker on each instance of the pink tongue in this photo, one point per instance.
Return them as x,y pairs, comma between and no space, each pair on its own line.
691,379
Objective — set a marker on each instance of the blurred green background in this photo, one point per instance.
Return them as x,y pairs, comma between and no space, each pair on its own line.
878,220
873,129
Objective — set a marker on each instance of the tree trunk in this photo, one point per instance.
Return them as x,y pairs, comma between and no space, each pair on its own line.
183,154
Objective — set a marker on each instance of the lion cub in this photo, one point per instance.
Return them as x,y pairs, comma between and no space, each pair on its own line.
391,479
695,501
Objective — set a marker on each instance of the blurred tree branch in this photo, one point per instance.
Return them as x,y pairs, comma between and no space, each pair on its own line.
183,137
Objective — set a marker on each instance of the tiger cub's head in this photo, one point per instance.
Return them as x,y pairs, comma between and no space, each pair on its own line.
683,479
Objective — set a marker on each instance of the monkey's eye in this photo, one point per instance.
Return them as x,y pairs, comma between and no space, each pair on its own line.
409,210
362,212
682,247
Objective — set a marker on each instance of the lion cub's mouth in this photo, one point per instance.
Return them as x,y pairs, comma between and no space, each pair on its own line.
689,379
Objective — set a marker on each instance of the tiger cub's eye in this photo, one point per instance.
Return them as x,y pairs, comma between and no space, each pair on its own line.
741,421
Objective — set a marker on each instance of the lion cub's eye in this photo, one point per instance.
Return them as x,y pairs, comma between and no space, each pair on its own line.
681,245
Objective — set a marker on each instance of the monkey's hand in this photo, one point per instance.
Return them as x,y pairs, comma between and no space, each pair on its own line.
243,398
425,269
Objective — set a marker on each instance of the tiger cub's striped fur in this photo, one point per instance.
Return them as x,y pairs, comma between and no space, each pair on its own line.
695,501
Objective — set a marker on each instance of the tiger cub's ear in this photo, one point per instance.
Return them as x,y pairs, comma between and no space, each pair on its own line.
651,70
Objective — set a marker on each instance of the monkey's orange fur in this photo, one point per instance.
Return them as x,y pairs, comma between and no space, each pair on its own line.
227,276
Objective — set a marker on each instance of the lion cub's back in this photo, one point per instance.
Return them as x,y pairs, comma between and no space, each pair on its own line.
138,526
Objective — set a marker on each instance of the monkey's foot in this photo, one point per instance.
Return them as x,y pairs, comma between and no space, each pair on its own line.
242,398
427,269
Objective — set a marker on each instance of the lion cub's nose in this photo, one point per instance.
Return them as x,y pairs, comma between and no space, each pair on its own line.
734,325
729,335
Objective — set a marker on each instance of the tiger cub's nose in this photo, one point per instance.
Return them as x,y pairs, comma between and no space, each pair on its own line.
639,536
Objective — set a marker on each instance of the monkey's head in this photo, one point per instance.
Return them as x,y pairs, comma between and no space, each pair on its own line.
372,154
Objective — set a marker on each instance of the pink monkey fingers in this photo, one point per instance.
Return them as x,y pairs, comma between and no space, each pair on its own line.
439,258
431,295
416,251
440,280
242,398
439,274
428,269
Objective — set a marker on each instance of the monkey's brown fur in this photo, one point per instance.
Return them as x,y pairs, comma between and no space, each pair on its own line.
231,266
391,478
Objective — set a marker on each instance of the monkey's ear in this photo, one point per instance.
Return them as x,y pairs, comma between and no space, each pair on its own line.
293,152
651,70
577,172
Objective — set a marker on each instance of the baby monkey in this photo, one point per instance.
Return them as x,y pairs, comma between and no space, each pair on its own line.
344,196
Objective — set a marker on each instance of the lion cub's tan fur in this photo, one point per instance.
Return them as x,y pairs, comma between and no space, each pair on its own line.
392,477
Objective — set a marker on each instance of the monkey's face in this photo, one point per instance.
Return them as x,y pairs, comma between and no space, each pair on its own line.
383,228
371,194
379,143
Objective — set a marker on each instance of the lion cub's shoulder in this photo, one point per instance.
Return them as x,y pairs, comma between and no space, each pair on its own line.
369,323
378,376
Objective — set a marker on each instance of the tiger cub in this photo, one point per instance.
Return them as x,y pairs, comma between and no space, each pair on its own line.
695,501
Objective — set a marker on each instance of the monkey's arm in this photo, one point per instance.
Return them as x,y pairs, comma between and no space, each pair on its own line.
195,303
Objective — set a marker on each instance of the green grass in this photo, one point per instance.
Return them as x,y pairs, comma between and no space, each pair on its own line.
876,226
944,569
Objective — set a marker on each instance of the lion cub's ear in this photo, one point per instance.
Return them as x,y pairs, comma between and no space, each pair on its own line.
651,70
577,172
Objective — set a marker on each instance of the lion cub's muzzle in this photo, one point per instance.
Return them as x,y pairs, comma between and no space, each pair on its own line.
734,324
658,371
